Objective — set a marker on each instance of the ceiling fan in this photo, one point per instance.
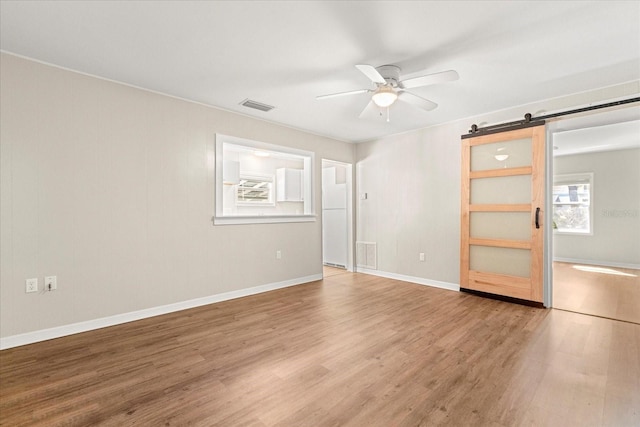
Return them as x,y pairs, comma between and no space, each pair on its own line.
390,87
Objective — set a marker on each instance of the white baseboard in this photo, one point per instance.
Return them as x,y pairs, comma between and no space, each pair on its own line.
601,263
412,279
89,325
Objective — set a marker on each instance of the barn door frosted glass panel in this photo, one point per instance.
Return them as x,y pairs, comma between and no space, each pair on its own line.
500,225
513,262
501,155
501,190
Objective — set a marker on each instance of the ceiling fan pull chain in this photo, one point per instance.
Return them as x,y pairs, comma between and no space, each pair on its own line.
388,114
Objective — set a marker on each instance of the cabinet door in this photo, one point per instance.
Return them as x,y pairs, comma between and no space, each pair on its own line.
289,185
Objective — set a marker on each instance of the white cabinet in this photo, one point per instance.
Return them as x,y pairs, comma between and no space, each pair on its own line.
230,172
289,185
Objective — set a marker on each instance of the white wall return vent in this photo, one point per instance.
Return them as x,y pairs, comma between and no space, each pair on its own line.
366,256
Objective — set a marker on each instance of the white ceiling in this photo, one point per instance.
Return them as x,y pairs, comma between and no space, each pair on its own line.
617,136
285,53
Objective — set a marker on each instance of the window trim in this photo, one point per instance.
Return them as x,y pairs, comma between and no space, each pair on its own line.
308,158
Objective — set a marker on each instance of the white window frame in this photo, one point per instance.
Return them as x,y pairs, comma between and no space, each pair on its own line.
308,158
570,179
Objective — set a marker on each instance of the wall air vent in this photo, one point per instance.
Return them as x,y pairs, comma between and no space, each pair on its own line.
256,105
366,255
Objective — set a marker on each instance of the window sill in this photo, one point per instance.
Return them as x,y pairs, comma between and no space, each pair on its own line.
261,219
572,233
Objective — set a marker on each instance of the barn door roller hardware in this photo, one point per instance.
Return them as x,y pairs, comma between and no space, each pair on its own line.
530,121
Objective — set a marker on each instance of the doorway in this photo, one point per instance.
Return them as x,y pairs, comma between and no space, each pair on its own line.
594,188
337,215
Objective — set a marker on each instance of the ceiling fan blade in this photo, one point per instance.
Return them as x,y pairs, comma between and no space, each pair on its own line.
372,73
351,92
417,101
429,79
371,111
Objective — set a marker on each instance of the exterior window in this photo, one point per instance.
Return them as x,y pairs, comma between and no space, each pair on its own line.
255,190
572,207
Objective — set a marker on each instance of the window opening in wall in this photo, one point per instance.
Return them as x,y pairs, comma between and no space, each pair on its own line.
257,182
572,207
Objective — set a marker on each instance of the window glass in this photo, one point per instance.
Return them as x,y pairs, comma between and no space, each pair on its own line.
572,208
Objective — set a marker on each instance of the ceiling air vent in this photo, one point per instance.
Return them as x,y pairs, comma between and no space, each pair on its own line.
257,105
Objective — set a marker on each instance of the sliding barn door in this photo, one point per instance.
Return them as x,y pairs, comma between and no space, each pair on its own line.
502,213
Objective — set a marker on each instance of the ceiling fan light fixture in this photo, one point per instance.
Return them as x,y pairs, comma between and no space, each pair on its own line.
384,96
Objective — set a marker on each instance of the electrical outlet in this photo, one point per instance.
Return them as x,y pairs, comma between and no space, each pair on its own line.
278,254
31,285
50,283
422,256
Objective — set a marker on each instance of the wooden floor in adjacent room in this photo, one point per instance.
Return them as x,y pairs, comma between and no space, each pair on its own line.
611,292
349,350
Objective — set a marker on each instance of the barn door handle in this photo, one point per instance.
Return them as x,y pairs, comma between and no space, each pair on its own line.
537,217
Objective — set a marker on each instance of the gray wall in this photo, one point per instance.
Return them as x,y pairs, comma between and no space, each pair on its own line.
616,204
412,183
111,189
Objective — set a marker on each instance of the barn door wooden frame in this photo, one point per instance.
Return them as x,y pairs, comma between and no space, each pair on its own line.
502,212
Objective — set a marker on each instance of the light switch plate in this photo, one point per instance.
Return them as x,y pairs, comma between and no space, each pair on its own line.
50,283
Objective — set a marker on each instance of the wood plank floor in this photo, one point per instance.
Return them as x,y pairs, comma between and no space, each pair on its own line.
350,350
597,290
